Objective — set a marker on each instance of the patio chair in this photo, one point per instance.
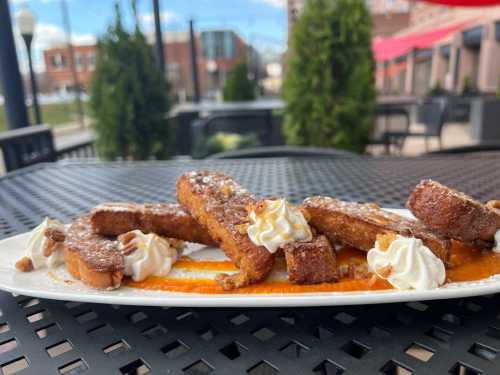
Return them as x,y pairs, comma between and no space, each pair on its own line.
391,133
239,122
27,146
282,151
432,113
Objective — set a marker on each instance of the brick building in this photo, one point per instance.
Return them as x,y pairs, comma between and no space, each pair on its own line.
218,52
58,66
469,52
388,16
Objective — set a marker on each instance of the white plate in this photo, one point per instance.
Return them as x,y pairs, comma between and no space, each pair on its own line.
45,284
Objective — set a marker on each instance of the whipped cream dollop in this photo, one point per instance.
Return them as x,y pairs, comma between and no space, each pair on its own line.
407,264
41,250
496,248
147,255
275,223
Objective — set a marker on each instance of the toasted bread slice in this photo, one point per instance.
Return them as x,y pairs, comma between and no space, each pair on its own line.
358,224
311,262
219,204
453,214
93,258
164,219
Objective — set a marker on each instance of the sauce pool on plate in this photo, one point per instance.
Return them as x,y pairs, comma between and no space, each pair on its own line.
466,264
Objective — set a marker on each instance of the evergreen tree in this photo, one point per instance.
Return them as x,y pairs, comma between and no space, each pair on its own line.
238,87
329,88
129,96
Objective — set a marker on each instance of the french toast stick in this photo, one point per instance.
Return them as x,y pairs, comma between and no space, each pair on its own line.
164,219
358,225
218,203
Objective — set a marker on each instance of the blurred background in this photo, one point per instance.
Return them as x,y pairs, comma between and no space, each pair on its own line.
175,78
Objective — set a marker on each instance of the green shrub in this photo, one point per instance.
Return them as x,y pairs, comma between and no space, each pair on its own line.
238,87
129,96
437,90
221,142
329,86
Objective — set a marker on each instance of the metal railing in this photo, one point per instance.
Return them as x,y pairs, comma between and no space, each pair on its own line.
81,149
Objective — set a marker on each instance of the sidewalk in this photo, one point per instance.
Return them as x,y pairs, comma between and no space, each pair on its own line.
454,135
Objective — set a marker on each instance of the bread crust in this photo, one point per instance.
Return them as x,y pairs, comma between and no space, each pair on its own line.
358,225
219,204
311,262
94,259
453,214
165,219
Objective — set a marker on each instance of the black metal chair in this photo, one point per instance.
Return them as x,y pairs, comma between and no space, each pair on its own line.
283,151
390,133
27,146
432,113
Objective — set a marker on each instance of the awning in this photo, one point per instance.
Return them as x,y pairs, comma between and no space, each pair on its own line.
465,3
389,48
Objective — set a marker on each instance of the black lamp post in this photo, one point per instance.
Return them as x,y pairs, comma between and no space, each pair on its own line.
25,20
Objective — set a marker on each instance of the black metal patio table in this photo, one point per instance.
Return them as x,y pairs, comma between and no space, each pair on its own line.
459,336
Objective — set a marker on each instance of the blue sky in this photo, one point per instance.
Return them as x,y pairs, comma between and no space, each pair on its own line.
260,22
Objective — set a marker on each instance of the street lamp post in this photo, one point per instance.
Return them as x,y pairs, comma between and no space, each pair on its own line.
25,20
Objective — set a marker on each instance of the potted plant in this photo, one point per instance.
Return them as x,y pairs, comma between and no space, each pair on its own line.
485,117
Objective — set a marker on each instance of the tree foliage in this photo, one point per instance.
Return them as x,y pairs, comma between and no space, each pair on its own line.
129,96
238,87
329,87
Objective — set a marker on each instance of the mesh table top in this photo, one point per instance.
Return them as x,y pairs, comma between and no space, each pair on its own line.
50,337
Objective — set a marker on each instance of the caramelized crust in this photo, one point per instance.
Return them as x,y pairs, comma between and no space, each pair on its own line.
358,224
94,259
165,219
219,204
310,262
452,213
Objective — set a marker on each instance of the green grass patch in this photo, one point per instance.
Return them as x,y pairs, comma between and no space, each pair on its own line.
52,114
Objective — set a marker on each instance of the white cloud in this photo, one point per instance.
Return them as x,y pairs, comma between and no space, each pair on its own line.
46,36
273,3
166,16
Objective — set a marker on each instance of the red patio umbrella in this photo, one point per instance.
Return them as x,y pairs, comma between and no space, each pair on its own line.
465,3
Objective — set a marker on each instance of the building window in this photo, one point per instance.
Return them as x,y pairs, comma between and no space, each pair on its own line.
58,61
79,62
218,45
173,72
91,60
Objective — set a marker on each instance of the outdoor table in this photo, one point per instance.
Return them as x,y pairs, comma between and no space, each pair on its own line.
458,336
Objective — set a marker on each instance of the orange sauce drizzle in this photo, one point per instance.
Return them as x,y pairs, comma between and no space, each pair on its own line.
466,264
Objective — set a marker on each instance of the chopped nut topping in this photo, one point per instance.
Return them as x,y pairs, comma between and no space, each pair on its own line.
175,243
227,190
385,240
126,238
242,228
128,246
55,235
24,264
49,248
495,204
385,272
354,270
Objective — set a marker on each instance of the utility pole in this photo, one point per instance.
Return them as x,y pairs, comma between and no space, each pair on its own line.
10,78
160,57
194,63
76,84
